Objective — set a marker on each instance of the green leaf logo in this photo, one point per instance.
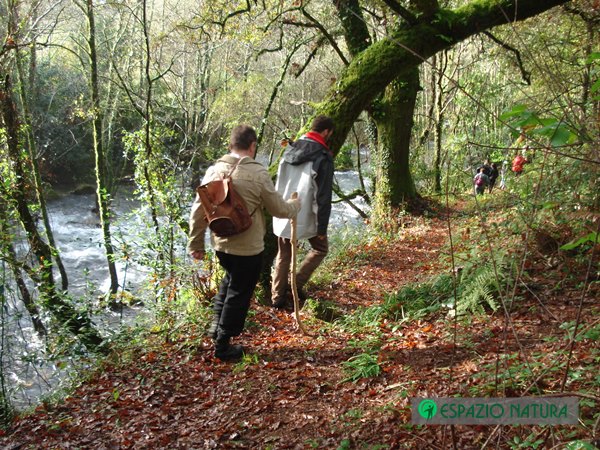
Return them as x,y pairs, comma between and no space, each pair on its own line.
427,409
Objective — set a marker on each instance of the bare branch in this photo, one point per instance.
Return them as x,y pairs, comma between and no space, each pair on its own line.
327,36
524,73
401,11
373,14
348,199
312,54
278,18
222,23
272,50
300,24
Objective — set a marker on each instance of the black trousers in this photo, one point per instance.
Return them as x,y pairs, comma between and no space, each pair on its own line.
232,302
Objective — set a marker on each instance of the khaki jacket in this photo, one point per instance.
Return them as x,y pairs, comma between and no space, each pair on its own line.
252,181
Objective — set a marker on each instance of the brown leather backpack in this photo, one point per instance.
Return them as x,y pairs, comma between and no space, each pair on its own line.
225,210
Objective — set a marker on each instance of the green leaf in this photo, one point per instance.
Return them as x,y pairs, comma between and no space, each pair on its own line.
517,110
595,87
558,133
561,136
549,122
592,237
593,57
550,205
527,119
580,445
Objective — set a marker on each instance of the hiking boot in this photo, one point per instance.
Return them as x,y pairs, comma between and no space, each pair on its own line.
284,302
227,352
302,296
231,353
280,303
212,330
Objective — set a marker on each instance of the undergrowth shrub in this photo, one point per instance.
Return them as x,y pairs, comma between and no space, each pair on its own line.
363,365
478,288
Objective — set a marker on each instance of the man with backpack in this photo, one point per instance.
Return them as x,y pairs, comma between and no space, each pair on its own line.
239,254
306,167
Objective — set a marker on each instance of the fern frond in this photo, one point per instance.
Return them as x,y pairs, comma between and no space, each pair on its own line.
478,289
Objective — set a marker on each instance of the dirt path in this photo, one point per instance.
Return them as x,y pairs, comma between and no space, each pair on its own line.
291,392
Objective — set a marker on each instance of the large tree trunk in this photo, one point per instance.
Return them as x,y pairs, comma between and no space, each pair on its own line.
394,118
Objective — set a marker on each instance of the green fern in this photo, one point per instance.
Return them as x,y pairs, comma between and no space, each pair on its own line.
478,288
363,365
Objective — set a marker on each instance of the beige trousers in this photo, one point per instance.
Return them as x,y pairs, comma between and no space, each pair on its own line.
283,260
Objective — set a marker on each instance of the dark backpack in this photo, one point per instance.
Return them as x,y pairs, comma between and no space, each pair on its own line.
225,210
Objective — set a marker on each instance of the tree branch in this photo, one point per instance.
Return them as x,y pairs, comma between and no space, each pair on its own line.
524,73
401,11
354,25
327,36
312,54
348,199
274,92
404,49
222,23
300,24
272,50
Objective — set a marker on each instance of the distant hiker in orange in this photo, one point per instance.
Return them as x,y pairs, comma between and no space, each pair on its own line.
518,163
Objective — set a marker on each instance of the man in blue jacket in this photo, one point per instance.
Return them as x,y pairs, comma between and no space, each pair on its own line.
306,167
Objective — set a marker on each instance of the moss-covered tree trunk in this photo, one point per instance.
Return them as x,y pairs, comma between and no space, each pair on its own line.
438,96
6,410
394,118
390,66
32,145
37,178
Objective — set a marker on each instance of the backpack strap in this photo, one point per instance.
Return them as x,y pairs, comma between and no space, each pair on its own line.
235,166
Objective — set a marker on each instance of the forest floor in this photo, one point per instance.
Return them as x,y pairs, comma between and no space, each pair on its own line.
296,391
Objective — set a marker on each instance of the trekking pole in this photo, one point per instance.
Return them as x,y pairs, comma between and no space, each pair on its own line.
294,243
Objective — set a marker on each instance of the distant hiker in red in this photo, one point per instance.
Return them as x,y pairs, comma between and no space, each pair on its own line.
518,163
